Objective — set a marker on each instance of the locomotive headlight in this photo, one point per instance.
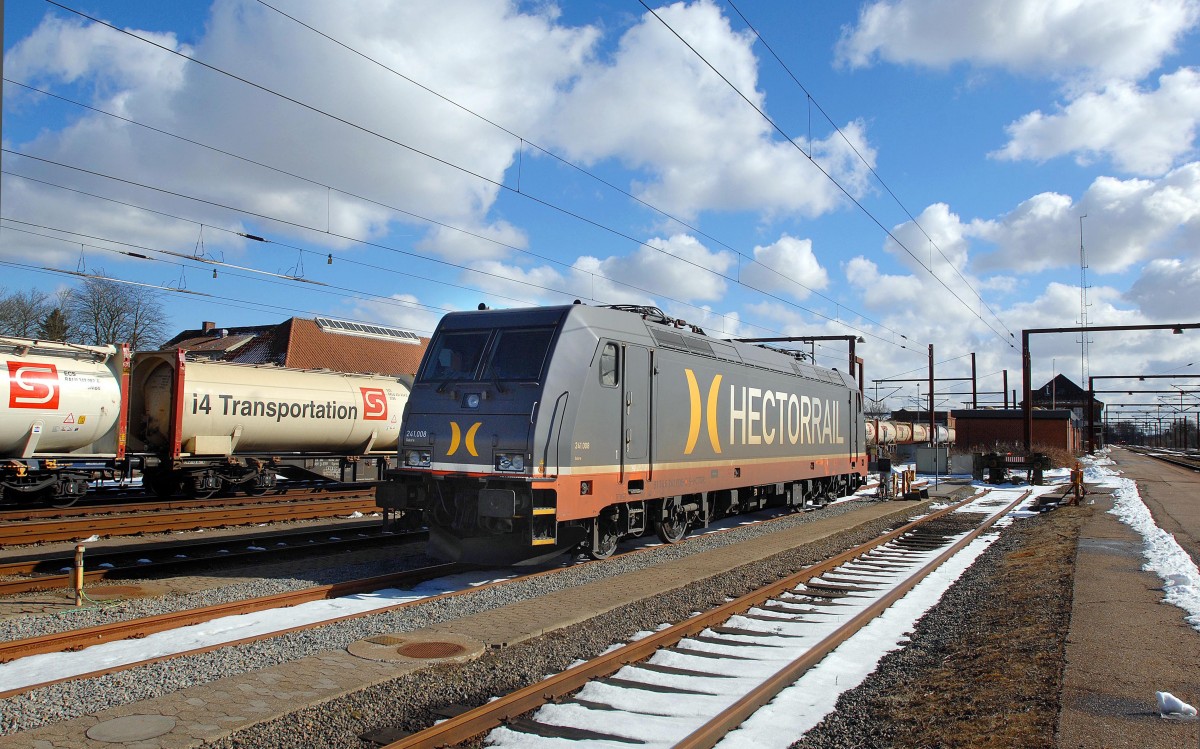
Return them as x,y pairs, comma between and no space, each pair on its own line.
416,458
511,462
471,400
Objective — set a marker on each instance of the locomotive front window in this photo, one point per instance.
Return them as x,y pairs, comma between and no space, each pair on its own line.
519,354
456,356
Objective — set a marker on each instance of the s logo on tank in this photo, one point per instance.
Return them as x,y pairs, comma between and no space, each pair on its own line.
32,385
375,407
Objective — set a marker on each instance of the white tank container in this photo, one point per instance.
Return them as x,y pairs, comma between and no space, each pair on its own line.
58,398
881,432
230,409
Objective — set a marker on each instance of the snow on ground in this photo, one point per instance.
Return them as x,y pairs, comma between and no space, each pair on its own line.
38,669
796,709
1164,556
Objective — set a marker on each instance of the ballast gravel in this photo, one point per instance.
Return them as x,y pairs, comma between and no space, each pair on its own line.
408,703
71,699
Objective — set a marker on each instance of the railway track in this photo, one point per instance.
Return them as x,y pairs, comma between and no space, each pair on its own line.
716,669
132,503
79,528
1183,460
178,557
138,628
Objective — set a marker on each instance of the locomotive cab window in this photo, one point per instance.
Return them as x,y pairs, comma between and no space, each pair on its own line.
609,365
519,354
455,356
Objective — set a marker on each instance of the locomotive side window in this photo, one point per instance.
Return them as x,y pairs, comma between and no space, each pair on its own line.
519,354
609,365
455,356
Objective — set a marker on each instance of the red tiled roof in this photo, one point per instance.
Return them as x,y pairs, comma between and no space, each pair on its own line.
301,344
308,347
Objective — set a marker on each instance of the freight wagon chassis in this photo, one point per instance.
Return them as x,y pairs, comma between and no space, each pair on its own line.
55,482
204,479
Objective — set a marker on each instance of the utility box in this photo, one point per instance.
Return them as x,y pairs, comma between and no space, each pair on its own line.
964,463
934,460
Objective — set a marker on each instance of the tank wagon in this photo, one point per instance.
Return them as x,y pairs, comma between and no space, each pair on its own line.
208,426
530,432
77,414
62,417
880,432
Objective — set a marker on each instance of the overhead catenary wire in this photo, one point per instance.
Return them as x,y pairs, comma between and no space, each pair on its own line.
500,185
377,245
827,175
812,100
225,300
524,140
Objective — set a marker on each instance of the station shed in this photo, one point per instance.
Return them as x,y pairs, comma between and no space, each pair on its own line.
1002,429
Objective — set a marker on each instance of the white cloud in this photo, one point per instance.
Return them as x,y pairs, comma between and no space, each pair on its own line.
1100,40
679,263
68,50
1169,289
399,310
657,108
1127,222
500,62
788,266
1143,132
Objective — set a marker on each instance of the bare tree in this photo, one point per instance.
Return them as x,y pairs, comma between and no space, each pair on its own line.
22,312
146,321
101,311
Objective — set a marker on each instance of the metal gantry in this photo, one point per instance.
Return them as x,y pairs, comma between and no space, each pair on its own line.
1027,361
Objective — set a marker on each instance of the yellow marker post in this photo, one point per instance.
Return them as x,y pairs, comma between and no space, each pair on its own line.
77,575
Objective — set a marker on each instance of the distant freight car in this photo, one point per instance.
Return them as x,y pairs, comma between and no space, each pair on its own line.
530,432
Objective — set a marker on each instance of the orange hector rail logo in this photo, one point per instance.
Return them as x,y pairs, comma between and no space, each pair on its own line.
456,438
710,412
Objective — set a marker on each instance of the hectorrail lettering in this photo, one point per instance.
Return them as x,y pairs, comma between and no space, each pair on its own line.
758,417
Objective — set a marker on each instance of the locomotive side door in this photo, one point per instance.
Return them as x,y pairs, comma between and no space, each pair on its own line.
635,419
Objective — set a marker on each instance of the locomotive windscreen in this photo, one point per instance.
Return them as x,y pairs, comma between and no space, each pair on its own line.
511,354
519,354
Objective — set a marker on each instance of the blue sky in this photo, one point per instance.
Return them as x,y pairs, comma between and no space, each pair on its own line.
529,153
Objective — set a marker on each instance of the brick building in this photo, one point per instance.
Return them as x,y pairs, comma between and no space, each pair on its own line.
1003,430
318,343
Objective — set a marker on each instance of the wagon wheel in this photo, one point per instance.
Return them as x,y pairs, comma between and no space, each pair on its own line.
64,499
675,526
164,485
194,491
606,535
252,488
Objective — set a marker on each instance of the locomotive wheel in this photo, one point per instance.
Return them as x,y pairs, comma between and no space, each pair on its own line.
674,527
605,535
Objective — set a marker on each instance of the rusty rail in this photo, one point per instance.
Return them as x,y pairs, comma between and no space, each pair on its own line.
91,509
74,529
